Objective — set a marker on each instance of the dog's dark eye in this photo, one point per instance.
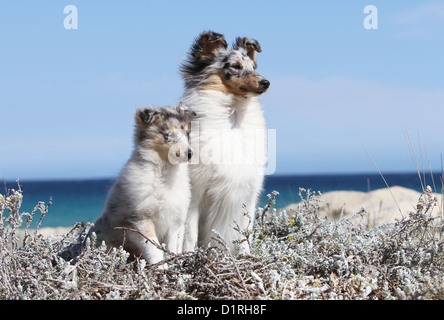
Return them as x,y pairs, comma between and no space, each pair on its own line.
237,66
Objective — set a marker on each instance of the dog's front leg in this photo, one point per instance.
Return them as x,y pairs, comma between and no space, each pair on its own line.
150,252
174,239
191,229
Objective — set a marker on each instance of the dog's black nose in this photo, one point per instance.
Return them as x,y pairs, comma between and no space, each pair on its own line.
190,154
264,83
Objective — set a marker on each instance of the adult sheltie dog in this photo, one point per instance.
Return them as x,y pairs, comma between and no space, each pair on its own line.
228,138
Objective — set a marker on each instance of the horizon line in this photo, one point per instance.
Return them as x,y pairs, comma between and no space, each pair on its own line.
283,174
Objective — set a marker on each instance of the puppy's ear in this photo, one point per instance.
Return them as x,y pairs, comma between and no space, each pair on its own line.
144,117
250,45
190,112
184,109
207,44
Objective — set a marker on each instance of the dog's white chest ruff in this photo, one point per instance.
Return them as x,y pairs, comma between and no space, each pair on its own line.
227,173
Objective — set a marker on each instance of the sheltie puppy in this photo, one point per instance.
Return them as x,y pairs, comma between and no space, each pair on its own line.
152,193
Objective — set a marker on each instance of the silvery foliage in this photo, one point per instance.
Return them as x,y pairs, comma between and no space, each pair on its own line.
294,254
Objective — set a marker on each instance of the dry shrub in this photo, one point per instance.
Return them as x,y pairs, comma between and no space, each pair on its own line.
293,255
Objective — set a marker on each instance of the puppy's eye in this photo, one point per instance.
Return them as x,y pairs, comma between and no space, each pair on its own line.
169,136
237,66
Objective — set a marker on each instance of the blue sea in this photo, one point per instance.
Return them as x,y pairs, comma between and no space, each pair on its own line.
83,200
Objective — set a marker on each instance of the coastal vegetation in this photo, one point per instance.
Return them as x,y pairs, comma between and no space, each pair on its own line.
294,254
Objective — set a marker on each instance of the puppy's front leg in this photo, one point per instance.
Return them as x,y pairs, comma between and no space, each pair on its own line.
150,252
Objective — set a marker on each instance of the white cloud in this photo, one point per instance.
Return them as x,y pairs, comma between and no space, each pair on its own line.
328,119
354,102
422,22
425,12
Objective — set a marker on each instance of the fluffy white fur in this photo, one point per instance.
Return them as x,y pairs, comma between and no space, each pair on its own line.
227,180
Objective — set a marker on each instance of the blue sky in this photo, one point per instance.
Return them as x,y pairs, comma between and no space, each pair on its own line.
67,97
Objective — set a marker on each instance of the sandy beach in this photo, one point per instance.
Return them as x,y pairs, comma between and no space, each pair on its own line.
54,231
382,205
57,233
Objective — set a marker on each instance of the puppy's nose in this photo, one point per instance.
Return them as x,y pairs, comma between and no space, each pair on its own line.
264,83
190,154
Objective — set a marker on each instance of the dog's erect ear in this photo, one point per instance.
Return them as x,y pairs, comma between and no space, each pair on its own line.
208,43
144,117
250,45
201,55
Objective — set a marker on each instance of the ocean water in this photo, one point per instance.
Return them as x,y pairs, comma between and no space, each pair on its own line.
83,200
